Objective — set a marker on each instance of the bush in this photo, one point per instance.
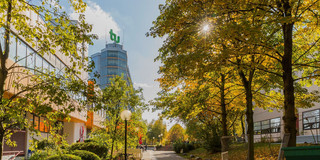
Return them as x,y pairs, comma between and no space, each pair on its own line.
89,140
158,147
64,157
85,155
93,147
186,147
43,144
39,155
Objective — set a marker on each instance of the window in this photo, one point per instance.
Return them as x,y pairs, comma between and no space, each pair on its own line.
13,48
45,65
275,125
36,122
38,62
112,71
112,62
41,124
267,126
257,127
310,119
30,58
21,53
122,55
112,54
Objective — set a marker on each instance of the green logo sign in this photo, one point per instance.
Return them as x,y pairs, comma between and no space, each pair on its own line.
114,37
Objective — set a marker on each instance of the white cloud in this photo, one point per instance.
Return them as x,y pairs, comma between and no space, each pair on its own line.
102,21
142,85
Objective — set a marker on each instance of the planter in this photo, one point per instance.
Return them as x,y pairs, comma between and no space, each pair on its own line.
303,152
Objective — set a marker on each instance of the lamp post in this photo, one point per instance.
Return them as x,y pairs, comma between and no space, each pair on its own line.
125,115
161,137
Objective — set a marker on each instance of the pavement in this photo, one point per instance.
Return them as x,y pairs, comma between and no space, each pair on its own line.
160,155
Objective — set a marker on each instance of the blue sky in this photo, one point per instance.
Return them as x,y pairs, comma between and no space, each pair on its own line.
131,20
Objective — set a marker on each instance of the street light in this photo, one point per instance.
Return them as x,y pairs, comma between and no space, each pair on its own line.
125,115
160,137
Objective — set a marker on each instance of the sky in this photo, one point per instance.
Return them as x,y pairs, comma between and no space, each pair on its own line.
131,20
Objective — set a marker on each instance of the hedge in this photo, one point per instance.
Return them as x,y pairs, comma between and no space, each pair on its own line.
64,157
85,155
93,147
42,155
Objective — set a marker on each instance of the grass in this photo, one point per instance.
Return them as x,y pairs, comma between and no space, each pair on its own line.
262,151
239,152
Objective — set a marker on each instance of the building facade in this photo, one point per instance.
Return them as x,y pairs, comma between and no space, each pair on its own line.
111,61
269,125
23,54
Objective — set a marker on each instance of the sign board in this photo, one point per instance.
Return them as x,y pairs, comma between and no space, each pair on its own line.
114,37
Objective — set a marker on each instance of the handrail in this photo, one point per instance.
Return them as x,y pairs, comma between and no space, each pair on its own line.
15,155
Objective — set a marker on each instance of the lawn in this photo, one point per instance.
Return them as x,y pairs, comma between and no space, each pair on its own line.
263,151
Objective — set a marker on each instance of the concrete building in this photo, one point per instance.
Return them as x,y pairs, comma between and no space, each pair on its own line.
23,54
111,61
270,126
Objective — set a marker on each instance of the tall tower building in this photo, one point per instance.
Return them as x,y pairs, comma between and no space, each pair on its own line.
111,61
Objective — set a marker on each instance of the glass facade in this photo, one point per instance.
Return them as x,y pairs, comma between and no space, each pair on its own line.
111,61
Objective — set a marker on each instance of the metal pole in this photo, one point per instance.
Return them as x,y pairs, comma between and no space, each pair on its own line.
125,141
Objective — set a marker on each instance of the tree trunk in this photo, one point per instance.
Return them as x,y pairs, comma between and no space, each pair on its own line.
3,69
224,140
289,116
242,125
114,134
2,132
249,112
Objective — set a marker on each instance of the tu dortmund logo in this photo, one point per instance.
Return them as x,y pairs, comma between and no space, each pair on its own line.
114,37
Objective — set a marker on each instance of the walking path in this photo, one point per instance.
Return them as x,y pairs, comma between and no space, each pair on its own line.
160,155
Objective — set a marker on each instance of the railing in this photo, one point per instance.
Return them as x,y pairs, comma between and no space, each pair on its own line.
13,153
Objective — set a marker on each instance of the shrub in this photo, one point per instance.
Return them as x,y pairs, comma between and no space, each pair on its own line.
93,147
89,140
43,144
64,157
158,147
39,155
85,155
186,147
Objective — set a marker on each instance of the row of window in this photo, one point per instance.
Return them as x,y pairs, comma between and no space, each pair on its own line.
117,54
267,126
311,120
117,62
116,71
26,56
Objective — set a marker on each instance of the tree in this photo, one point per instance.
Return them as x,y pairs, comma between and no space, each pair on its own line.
155,129
118,96
189,52
293,24
32,89
256,37
176,133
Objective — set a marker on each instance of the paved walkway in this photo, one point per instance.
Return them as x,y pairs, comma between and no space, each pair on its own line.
160,155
